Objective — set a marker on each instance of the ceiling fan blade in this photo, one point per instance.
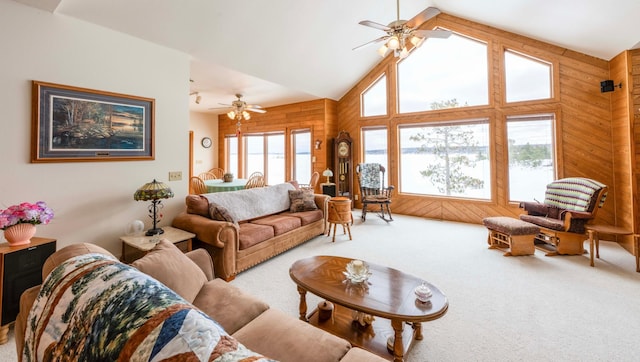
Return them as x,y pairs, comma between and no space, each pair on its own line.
438,33
372,42
375,25
257,110
423,16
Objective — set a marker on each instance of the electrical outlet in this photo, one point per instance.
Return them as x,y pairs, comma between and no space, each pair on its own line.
355,197
175,175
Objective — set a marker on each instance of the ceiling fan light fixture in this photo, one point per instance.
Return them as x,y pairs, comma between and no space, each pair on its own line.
403,53
393,43
417,41
383,50
231,114
246,115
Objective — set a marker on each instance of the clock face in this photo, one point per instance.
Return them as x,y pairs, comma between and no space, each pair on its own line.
206,142
343,149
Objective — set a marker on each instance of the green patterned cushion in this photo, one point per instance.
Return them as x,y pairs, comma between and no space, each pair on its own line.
574,193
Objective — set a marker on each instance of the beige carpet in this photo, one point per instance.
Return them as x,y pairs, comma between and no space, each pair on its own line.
528,308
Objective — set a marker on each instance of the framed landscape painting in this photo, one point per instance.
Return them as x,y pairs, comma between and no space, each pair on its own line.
72,124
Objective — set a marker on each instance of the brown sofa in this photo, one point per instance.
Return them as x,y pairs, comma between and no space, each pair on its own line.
248,320
243,228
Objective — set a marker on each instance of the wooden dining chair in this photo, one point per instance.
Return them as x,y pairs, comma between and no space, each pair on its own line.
256,180
197,185
217,172
208,176
315,177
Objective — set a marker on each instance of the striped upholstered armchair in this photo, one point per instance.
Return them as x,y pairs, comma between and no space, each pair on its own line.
569,204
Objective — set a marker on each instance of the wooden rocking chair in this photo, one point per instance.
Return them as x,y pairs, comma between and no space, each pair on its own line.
372,189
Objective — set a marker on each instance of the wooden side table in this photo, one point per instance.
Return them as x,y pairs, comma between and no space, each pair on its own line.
594,232
136,246
339,213
20,269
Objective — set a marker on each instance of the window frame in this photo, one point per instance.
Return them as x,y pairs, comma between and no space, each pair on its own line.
556,146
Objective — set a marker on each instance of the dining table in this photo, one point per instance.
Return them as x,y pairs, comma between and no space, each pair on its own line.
218,185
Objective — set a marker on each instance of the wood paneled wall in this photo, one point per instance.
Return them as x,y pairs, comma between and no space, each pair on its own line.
320,116
597,134
583,133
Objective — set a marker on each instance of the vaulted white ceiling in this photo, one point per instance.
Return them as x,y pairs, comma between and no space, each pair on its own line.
283,51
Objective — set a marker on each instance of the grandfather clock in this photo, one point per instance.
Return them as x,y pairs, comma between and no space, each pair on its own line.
342,164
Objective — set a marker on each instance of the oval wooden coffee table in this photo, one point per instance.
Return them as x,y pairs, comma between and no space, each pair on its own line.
387,294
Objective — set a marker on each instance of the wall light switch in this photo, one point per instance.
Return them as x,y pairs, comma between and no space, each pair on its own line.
313,159
175,175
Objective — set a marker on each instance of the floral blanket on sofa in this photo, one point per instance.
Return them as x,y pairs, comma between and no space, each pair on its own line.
94,308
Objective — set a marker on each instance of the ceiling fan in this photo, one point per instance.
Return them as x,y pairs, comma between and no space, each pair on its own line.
240,109
401,31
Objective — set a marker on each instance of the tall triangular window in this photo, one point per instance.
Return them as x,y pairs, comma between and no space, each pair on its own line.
442,70
374,99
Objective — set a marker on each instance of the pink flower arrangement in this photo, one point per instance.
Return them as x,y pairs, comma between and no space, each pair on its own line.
26,213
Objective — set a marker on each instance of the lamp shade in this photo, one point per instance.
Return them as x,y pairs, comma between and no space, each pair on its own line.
328,173
153,191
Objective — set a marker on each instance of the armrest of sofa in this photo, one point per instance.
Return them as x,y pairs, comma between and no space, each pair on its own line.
322,202
27,299
203,260
212,232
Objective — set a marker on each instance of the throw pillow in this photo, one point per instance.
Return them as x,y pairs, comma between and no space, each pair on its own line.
220,213
197,204
302,200
295,184
167,264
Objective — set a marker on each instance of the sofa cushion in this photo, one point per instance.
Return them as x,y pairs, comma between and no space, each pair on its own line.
166,263
280,223
197,204
545,222
306,217
253,203
220,213
228,305
279,336
251,234
302,200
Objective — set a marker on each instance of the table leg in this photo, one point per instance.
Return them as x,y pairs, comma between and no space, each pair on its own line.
334,233
4,334
398,345
636,237
591,240
417,331
303,304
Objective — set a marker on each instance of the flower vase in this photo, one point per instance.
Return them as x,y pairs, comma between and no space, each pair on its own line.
20,234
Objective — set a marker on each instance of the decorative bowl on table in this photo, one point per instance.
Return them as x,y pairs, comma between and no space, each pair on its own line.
422,292
357,271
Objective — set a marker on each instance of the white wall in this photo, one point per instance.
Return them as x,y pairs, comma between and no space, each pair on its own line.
92,201
204,125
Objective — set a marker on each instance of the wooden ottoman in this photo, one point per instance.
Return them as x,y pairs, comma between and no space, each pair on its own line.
514,235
